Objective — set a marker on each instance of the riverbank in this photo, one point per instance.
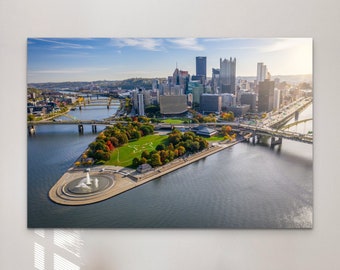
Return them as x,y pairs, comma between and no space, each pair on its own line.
124,179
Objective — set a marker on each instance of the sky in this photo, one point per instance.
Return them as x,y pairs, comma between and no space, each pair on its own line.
91,59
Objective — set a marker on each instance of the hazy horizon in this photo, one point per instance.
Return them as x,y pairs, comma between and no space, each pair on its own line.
109,80
99,59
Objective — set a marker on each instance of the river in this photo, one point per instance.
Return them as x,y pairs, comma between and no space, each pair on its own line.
244,186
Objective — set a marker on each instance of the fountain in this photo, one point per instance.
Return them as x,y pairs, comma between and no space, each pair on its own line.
86,185
96,182
88,179
89,185
82,188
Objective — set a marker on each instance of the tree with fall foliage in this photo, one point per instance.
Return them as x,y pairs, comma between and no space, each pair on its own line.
226,130
228,116
155,160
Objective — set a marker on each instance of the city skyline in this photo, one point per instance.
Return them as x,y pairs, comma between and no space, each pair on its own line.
91,59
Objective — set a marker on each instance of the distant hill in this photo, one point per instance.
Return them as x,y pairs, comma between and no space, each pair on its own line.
96,85
146,83
308,78
292,79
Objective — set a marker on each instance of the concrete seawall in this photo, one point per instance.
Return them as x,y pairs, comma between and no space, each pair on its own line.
123,181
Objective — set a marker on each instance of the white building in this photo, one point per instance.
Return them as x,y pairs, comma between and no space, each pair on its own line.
277,93
262,72
228,100
141,104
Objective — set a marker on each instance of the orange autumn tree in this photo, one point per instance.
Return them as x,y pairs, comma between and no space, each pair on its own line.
226,131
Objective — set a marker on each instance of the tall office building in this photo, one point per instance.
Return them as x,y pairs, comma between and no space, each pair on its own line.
277,101
201,66
155,84
210,103
266,96
227,75
215,78
249,98
141,104
180,78
197,89
228,100
176,77
262,73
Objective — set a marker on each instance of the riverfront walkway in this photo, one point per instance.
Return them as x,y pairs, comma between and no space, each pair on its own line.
124,179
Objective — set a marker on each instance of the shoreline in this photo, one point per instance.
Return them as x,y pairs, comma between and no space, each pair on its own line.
125,179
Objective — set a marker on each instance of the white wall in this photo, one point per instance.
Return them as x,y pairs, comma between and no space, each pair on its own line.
171,249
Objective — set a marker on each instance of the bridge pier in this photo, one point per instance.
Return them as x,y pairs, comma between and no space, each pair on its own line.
31,130
81,129
274,142
254,137
94,128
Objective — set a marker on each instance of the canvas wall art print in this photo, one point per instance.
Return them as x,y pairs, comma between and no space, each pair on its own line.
170,133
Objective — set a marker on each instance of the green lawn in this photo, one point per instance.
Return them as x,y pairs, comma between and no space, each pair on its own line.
215,138
123,156
173,121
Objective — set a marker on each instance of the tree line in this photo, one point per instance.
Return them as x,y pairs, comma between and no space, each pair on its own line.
178,144
115,136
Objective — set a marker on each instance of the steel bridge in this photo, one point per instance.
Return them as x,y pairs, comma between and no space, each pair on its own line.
277,133
83,102
253,130
296,123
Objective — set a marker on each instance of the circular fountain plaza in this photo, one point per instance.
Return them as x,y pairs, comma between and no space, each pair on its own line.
78,187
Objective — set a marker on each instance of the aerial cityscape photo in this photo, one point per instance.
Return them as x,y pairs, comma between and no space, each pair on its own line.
170,133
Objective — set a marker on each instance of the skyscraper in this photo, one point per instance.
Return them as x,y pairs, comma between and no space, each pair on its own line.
277,101
266,96
227,75
180,79
262,72
176,77
140,104
215,78
201,66
210,103
250,99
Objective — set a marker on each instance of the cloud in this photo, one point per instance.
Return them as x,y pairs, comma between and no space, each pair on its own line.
281,44
66,71
187,43
64,45
157,44
56,71
148,44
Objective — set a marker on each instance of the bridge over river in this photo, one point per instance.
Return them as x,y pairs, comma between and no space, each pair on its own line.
272,126
80,123
252,130
276,133
245,128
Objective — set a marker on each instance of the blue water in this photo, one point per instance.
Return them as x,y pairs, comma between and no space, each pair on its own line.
245,186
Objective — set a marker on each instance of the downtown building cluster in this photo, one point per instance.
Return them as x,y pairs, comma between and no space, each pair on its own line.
218,93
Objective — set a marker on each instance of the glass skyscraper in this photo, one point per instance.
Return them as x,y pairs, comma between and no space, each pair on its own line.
227,75
201,66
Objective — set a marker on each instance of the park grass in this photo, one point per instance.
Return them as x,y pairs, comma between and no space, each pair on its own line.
173,121
215,138
123,156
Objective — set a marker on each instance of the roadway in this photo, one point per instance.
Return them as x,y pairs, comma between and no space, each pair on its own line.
264,126
270,124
